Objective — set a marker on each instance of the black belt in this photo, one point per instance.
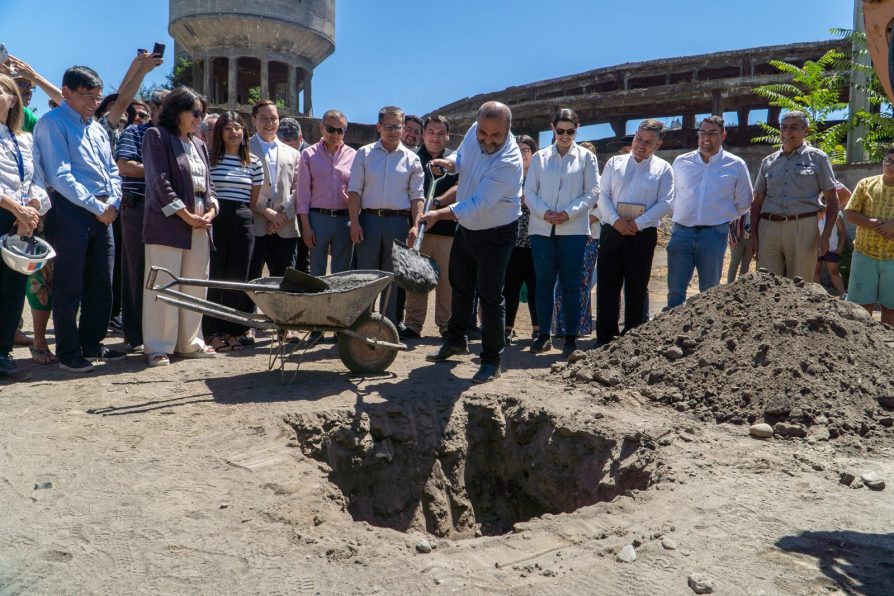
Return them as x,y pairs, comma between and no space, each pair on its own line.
783,218
387,212
330,212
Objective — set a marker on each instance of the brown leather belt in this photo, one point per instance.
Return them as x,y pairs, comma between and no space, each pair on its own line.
330,212
784,218
387,212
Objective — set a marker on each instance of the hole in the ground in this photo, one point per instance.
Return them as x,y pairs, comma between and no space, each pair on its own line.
474,467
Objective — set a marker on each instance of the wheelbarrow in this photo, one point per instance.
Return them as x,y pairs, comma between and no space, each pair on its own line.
367,341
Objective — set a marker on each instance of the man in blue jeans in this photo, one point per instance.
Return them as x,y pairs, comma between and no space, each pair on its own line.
74,152
488,205
712,188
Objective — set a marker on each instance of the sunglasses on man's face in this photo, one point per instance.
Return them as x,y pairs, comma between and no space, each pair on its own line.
141,115
565,131
334,129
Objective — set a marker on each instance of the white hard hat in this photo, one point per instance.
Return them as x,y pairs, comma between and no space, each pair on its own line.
25,254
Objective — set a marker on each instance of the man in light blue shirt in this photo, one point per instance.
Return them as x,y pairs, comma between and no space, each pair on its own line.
74,153
488,206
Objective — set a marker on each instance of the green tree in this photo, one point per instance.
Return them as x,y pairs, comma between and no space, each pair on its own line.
254,96
878,120
814,89
181,73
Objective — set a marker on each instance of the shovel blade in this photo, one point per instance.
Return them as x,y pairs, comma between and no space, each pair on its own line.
414,271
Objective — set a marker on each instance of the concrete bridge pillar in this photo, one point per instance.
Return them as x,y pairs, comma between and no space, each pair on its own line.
232,67
265,79
308,101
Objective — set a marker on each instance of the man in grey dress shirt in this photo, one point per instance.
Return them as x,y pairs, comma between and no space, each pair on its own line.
384,196
786,202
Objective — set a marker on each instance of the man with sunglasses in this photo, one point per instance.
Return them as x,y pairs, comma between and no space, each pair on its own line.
26,79
321,196
712,188
384,196
129,158
788,192
74,153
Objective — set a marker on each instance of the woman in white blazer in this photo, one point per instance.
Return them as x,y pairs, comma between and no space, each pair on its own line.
561,188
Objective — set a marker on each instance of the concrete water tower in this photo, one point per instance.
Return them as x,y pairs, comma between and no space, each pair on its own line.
266,47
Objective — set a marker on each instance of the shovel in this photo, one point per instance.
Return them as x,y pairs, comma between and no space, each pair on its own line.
299,282
414,271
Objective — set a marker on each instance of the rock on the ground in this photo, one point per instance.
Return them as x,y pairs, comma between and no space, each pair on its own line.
627,554
761,430
423,547
785,429
846,478
674,352
668,544
576,356
872,481
700,583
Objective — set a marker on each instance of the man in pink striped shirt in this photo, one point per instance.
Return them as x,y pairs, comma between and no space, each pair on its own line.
322,196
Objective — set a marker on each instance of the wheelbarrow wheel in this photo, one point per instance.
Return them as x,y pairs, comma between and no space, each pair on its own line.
359,357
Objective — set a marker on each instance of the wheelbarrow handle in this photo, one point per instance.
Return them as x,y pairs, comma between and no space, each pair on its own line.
202,283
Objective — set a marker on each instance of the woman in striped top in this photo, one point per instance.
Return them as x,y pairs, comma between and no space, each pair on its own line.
237,176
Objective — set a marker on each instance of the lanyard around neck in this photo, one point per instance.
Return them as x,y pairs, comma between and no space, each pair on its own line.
20,161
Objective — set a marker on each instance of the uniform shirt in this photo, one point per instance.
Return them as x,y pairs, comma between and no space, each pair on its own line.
386,180
873,199
233,180
793,183
130,148
649,183
490,184
323,177
713,193
76,159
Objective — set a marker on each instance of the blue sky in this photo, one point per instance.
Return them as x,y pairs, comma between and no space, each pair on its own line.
399,52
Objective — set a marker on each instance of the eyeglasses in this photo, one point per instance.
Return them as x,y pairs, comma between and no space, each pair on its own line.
197,113
709,133
89,97
566,131
393,127
334,129
141,115
24,84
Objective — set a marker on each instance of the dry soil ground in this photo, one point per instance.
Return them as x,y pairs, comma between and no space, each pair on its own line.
214,477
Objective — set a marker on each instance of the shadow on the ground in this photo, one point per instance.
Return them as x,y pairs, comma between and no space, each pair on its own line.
858,563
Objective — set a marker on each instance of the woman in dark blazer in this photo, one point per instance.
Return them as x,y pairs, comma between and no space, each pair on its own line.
180,205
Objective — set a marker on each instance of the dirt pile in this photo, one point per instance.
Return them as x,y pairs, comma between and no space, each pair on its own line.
474,467
763,349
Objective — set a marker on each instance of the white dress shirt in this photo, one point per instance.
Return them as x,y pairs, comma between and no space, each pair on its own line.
386,180
713,193
568,183
649,183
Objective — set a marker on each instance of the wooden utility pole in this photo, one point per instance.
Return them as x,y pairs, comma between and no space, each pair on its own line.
859,100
